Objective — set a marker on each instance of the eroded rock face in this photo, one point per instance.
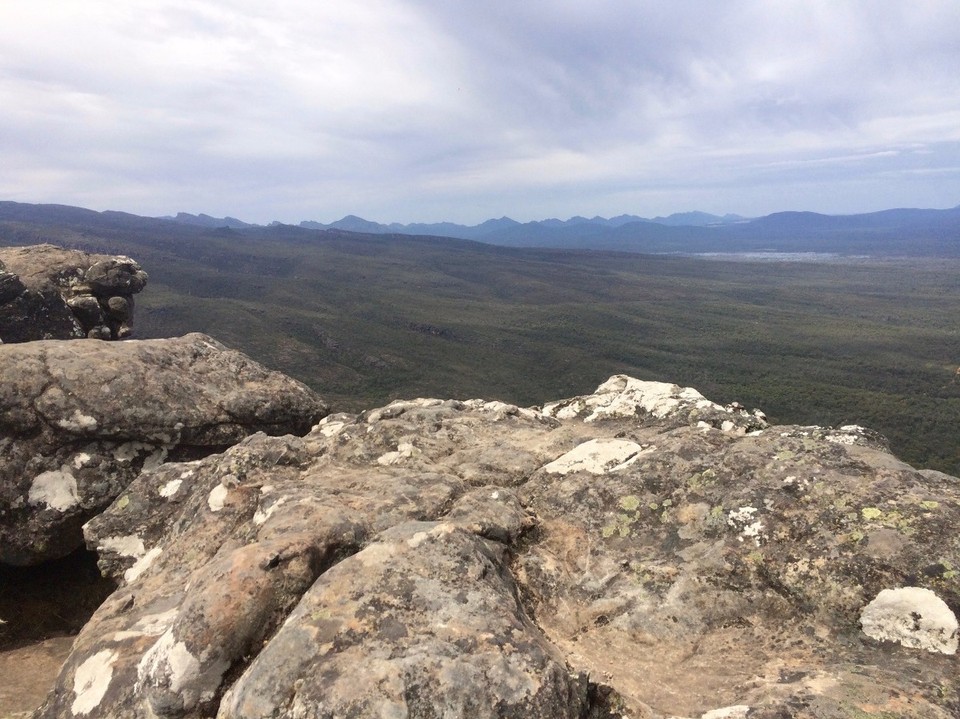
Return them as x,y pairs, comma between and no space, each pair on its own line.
48,292
79,420
639,552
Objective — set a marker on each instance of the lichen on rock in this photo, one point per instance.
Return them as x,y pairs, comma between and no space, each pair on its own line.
616,554
914,617
80,419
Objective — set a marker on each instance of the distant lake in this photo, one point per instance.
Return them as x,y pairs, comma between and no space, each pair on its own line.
761,256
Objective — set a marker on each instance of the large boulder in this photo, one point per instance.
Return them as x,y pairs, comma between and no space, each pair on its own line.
637,552
80,419
48,292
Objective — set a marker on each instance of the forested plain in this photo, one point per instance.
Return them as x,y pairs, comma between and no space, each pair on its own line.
364,319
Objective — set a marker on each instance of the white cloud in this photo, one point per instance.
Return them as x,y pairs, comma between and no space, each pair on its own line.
422,110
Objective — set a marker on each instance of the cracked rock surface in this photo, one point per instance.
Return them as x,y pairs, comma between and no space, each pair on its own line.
80,419
637,552
48,292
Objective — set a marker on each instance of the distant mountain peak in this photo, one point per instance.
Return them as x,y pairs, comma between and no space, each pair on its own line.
696,219
203,220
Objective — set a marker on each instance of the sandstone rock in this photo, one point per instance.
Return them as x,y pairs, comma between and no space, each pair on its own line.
47,292
423,621
605,556
79,420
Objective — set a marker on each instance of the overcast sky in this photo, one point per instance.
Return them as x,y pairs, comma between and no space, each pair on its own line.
427,110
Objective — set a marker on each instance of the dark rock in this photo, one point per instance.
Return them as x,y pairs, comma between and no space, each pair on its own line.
87,309
10,285
47,292
637,552
79,420
120,308
115,276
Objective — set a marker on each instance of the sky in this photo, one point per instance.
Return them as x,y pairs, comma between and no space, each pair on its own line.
430,110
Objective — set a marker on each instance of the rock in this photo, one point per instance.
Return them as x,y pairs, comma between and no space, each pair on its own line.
47,292
426,621
638,552
914,617
22,689
10,285
79,420
623,396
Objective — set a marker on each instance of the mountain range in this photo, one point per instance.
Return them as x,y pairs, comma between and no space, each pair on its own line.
352,223
898,232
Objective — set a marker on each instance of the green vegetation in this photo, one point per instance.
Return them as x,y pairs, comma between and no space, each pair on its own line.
368,318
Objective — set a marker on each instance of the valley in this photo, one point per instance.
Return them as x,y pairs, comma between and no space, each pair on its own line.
364,319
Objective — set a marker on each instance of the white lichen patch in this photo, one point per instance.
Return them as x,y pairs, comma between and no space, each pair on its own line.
848,434
127,546
501,410
565,409
801,484
81,460
913,616
598,456
405,450
442,529
217,497
744,520
168,663
740,516
737,711
262,515
398,407
170,488
623,396
91,681
129,451
332,428
142,564
77,422
57,489
155,624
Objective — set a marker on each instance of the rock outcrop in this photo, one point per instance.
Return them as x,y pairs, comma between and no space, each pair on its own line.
638,552
48,292
79,420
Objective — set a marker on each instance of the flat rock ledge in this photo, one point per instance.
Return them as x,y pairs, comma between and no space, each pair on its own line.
48,292
638,552
80,419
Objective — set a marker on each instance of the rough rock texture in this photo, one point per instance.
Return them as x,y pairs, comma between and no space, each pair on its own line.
47,292
638,552
80,419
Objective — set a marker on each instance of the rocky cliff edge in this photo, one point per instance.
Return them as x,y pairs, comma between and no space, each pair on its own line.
80,419
639,551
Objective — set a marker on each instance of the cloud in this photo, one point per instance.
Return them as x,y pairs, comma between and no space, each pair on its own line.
422,110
